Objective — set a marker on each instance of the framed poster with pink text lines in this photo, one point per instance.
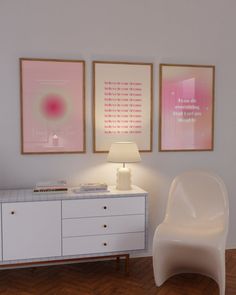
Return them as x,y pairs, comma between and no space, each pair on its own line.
122,104
186,107
52,106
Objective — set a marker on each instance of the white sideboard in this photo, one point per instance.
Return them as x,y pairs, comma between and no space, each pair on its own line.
44,228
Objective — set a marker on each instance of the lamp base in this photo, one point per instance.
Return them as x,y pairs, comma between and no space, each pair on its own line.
123,179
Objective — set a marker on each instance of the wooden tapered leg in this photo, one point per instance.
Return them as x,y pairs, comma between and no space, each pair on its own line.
127,264
118,263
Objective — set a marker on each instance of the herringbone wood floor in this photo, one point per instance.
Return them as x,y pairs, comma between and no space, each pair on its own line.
102,278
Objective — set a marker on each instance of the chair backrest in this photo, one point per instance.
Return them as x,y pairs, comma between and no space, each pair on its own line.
198,197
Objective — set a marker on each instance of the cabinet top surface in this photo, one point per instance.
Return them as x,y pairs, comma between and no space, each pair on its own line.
26,195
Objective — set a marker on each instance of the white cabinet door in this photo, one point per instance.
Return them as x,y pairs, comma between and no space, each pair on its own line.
31,230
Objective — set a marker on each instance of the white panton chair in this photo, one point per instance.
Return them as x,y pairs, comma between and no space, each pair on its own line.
192,237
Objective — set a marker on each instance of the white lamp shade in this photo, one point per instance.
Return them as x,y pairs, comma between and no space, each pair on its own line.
124,152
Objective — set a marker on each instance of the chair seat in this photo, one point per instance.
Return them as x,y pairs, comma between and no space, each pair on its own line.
193,234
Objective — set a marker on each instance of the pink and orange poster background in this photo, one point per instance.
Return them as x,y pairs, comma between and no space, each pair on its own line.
187,101
52,105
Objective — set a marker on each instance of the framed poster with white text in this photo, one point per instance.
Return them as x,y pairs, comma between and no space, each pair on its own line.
122,108
186,107
52,106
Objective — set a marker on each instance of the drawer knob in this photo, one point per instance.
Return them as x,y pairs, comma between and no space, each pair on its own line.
104,244
104,207
104,225
12,212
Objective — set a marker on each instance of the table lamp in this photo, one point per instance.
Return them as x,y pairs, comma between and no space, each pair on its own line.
123,152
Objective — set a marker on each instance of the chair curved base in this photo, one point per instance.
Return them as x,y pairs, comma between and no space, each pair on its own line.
174,258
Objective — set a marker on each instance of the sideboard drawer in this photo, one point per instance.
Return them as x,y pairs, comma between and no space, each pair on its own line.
102,244
103,225
103,207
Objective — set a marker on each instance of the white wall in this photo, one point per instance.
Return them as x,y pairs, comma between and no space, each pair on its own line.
171,31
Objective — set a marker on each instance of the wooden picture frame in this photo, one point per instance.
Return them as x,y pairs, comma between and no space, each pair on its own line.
52,98
122,104
186,107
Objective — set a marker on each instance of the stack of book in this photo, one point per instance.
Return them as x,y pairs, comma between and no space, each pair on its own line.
91,187
59,186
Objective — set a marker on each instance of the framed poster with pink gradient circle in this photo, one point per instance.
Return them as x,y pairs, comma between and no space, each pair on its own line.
186,107
52,106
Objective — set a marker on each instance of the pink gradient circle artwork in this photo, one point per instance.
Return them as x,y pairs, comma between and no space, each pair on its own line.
53,106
